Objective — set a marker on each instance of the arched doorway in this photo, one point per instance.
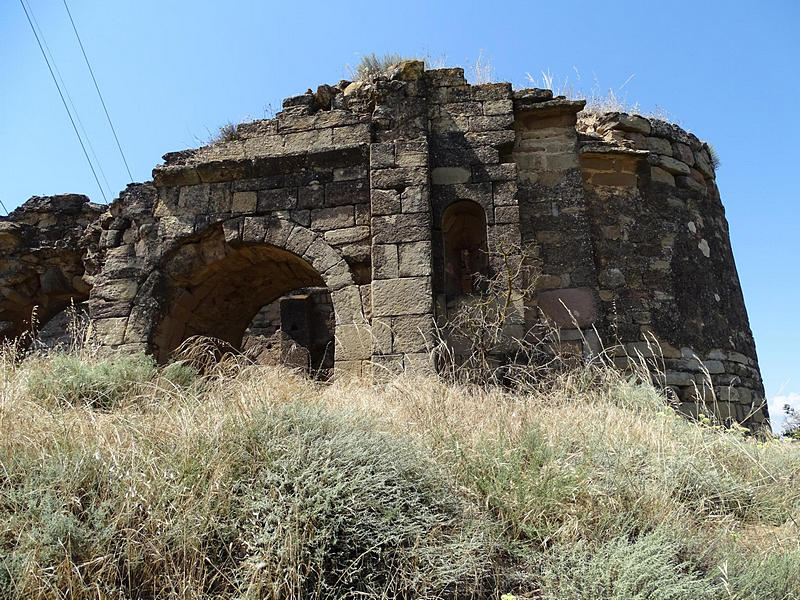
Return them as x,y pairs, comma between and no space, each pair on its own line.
217,289
466,258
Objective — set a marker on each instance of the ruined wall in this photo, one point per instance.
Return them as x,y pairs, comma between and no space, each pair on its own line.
666,271
43,244
386,194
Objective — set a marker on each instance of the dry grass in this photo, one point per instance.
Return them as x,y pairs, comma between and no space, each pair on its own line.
257,482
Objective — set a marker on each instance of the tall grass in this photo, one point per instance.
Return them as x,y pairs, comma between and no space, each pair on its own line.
258,483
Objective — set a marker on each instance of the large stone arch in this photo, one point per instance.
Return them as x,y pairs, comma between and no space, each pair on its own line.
213,283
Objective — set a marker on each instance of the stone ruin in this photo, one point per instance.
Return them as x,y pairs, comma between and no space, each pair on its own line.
335,234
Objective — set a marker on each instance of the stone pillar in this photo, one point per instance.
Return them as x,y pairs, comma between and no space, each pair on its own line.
402,297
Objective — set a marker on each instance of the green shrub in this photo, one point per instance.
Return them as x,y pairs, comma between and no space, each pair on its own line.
524,483
652,566
775,576
335,509
68,379
293,502
180,374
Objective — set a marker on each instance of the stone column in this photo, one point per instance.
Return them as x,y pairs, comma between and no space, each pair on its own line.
402,297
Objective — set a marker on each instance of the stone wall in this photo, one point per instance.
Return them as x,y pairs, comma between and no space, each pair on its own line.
372,190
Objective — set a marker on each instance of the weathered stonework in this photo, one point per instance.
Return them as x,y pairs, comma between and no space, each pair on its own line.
386,195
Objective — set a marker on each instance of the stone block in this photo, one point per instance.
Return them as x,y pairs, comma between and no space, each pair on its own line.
398,177
353,342
338,217
347,306
625,122
450,175
347,192
702,163
628,180
194,197
504,193
349,173
386,367
683,153
415,199
175,227
412,227
279,199
385,262
659,145
382,336
671,165
570,306
381,155
253,229
499,172
414,259
412,333
385,202
299,240
110,331
498,107
491,123
244,202
363,214
659,175
348,235
402,296
506,214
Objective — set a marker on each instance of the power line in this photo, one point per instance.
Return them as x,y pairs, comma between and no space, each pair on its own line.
72,104
63,101
4,208
97,87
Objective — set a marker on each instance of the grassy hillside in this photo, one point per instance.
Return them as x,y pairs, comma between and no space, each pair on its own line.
120,480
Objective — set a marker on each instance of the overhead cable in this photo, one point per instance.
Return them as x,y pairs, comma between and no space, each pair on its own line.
97,87
63,101
72,104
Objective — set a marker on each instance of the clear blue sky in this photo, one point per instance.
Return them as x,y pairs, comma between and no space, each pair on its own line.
173,71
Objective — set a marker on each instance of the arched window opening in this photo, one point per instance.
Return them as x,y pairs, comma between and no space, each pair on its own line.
465,247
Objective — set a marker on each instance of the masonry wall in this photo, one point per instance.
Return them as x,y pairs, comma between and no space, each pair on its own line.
346,190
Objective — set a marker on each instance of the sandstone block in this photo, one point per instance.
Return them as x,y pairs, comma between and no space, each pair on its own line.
347,306
353,342
244,202
625,122
338,217
414,259
406,227
348,235
385,202
414,199
450,175
399,177
347,192
411,333
299,240
659,146
381,155
671,165
660,175
402,296
385,262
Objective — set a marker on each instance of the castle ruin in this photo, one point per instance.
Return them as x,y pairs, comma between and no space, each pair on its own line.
360,214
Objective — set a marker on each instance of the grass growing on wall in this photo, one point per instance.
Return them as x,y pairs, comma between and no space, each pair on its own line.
255,482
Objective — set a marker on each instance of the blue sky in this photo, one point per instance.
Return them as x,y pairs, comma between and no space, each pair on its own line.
172,72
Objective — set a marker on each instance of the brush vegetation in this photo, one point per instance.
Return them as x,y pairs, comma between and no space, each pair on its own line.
119,479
